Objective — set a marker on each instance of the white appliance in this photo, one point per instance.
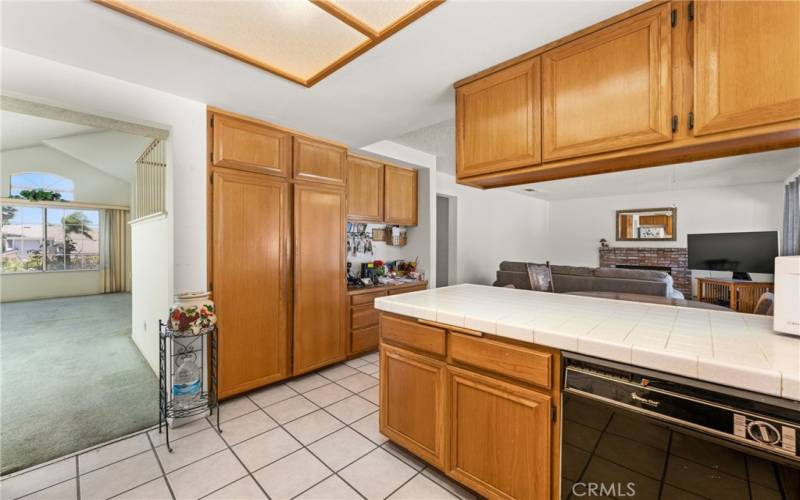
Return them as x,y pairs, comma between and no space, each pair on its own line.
787,295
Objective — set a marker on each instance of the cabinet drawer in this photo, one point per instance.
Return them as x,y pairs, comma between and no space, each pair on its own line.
412,334
364,339
520,363
363,316
365,298
408,289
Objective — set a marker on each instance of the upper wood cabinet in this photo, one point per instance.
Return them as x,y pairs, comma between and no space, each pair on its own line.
747,64
250,256
400,196
320,307
498,120
319,161
364,190
250,146
500,437
413,403
610,89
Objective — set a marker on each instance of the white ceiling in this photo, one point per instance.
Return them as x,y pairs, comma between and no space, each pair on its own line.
23,131
403,84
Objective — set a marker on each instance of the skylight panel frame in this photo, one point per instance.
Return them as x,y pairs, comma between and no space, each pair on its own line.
374,37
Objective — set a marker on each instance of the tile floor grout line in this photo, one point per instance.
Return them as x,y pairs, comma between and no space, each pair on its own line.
160,465
219,432
225,486
77,479
418,472
46,487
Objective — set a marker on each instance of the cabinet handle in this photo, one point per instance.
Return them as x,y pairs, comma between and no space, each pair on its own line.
674,123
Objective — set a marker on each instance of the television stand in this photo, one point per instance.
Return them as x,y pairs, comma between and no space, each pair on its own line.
741,276
741,296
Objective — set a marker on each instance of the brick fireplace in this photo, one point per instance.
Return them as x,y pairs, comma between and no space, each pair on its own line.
672,259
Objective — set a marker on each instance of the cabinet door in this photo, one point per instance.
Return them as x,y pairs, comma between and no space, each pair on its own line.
319,162
413,403
498,121
320,305
747,64
610,89
400,196
250,259
250,146
500,437
364,190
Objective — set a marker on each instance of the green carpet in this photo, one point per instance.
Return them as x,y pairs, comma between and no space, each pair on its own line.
71,378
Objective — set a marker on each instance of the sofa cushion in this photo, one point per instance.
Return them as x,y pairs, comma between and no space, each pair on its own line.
633,274
516,267
572,270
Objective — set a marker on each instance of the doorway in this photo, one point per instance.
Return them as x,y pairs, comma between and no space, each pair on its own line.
446,242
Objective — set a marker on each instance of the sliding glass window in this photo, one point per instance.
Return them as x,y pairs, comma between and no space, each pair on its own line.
47,239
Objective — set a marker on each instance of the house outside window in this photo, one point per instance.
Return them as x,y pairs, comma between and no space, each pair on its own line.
27,181
48,239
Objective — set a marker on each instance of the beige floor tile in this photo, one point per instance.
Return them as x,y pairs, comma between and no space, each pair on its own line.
372,357
368,426
313,426
190,449
291,475
372,394
290,409
272,395
37,479
338,372
243,489
341,448
351,409
235,408
355,363
179,432
307,382
154,490
369,369
327,394
422,488
110,453
244,427
332,488
377,475
119,477
266,448
401,453
205,476
448,484
68,490
358,382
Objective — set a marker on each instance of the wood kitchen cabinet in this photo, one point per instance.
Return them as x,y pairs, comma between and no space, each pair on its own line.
400,196
413,403
500,437
319,161
320,334
499,125
364,190
747,57
250,276
248,145
610,89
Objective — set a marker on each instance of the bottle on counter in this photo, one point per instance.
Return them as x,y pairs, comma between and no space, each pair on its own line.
186,383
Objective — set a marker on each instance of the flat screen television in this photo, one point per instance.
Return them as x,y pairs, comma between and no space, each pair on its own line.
742,253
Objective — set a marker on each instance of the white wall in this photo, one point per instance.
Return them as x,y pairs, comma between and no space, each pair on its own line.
30,286
91,185
149,267
576,226
493,226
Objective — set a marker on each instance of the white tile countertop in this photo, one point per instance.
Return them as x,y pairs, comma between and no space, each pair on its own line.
734,349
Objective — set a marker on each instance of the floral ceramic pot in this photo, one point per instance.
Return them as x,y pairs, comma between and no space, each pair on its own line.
191,312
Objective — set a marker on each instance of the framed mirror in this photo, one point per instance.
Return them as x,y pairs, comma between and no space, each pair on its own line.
647,224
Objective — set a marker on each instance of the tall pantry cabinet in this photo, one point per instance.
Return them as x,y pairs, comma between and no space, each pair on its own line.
276,251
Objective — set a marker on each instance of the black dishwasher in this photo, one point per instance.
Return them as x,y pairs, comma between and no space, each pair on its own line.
629,432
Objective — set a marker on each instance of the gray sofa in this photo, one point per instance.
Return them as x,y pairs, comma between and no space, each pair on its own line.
568,279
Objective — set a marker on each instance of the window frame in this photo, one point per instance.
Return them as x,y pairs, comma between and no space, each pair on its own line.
11,185
44,241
